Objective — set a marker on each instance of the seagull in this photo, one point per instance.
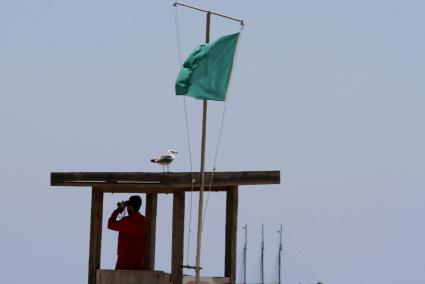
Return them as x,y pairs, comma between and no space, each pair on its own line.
165,160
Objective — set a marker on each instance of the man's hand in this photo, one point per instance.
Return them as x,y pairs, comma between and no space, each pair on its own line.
121,206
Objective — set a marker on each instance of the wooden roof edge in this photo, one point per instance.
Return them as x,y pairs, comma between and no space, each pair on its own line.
166,173
159,179
126,188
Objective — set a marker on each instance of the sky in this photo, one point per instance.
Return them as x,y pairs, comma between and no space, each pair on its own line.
331,93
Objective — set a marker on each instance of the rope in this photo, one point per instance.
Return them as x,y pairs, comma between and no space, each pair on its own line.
226,103
176,22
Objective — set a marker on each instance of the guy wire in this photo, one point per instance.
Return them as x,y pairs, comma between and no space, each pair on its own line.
176,22
226,102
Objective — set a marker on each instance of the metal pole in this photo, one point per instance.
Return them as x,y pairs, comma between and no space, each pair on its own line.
280,254
201,190
205,11
262,254
244,253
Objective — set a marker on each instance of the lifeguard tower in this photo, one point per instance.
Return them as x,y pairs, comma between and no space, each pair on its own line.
153,184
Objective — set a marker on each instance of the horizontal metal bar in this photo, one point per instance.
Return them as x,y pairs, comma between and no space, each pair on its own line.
212,13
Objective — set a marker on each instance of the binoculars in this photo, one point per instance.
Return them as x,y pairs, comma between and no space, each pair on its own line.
121,205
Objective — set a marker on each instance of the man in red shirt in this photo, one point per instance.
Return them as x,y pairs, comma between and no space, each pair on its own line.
132,235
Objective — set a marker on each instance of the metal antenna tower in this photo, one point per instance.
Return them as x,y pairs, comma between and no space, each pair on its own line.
245,248
280,255
262,253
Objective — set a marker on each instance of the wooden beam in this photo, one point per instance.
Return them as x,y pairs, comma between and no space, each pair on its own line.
164,180
95,233
151,212
178,238
231,234
132,277
129,188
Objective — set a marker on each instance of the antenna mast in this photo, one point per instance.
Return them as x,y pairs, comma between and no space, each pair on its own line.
244,253
262,253
280,255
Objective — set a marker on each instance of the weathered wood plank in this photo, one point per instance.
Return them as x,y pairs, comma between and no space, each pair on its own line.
231,234
178,238
95,233
151,212
128,188
180,179
132,277
215,280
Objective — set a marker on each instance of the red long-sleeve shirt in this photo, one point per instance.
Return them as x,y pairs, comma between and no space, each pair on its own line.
131,240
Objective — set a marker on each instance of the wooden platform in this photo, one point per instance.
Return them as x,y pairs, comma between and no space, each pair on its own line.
153,184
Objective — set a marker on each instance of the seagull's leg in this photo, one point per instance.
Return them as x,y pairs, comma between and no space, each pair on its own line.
168,168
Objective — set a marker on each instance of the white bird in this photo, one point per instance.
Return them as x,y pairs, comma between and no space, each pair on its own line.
165,160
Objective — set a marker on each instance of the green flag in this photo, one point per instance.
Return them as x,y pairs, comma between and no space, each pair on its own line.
206,72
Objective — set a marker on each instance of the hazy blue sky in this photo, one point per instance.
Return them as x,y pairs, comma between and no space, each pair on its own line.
329,92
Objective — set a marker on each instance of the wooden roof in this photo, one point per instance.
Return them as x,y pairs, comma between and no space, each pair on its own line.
155,182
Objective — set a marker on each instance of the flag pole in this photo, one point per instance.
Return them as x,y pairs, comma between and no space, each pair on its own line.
203,145
201,190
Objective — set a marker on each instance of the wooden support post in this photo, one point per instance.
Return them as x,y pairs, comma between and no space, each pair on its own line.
178,238
95,233
151,210
231,233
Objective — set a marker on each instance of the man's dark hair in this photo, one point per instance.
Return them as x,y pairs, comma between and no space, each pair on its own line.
136,202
